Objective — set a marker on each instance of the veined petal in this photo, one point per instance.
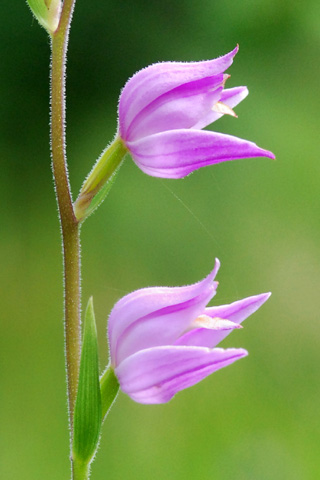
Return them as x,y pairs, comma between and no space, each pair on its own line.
151,82
157,315
155,375
176,153
181,107
235,312
231,97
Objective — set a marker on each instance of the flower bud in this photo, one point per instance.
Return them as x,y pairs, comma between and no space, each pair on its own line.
47,12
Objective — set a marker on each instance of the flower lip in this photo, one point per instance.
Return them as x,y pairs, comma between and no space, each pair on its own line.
224,109
214,323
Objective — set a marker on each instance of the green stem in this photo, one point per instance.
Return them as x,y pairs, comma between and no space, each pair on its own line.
80,471
69,223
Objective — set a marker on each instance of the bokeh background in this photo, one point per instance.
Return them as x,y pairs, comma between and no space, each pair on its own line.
256,420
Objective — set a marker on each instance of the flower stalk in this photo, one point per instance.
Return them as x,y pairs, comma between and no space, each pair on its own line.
109,386
69,223
99,181
80,471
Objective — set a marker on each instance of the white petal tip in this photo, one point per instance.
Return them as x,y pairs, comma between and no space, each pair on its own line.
224,109
214,323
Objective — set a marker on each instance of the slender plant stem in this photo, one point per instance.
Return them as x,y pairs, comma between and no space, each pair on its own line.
69,223
80,471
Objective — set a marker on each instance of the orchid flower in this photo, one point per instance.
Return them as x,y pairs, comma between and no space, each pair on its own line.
163,340
163,109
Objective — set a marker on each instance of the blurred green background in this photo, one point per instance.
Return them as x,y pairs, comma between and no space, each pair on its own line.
256,420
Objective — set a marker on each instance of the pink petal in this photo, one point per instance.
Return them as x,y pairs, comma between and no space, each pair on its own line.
236,312
181,107
156,316
152,82
231,97
155,375
176,153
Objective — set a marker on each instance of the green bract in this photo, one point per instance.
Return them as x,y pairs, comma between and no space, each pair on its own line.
87,413
47,12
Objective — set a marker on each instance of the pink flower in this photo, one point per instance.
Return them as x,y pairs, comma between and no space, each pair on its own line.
163,339
163,109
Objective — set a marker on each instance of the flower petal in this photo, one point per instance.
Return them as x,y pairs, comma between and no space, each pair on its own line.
156,316
176,153
155,375
182,107
151,82
231,97
236,312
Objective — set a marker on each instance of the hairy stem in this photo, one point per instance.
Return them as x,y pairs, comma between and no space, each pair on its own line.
69,223
80,471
